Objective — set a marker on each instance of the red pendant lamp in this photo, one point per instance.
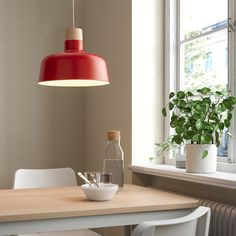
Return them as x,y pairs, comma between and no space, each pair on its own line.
74,67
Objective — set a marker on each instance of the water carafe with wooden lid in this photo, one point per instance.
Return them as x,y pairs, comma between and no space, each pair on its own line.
114,158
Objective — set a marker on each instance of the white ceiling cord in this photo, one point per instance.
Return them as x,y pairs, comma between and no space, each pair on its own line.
73,13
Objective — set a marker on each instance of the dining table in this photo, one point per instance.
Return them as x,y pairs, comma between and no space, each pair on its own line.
25,211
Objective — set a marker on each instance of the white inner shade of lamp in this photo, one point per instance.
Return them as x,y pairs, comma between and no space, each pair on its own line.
74,83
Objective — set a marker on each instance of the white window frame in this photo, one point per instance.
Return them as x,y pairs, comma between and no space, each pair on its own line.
172,62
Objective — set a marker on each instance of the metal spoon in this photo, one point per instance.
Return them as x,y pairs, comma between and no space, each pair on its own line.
95,182
84,178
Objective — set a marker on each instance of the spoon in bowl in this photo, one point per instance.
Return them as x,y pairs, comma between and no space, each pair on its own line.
95,182
84,178
87,181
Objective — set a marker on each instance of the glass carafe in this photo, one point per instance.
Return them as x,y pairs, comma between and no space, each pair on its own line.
114,158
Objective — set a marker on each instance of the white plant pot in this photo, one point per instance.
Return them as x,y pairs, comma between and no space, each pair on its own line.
194,161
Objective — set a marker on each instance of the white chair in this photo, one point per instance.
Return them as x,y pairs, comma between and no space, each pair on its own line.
194,224
46,178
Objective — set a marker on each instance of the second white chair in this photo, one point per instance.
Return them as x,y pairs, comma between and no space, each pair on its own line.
194,224
45,178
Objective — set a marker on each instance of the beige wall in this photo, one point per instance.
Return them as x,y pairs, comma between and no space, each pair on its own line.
107,31
43,127
39,126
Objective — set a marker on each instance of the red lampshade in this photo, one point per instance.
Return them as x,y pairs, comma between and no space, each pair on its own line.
74,67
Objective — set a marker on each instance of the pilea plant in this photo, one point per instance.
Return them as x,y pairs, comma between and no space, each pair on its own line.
200,117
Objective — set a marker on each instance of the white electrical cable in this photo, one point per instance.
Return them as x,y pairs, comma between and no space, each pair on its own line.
73,9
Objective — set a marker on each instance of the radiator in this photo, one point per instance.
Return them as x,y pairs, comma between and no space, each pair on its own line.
223,218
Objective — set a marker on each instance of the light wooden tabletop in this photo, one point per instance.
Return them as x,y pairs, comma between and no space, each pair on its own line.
30,204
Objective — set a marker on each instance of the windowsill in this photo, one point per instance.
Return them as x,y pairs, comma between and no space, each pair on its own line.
219,179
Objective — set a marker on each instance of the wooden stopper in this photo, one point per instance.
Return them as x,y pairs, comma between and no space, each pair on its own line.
74,34
113,135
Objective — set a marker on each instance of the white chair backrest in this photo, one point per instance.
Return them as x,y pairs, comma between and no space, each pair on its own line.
44,178
194,224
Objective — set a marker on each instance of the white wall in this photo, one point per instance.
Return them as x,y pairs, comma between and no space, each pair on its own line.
147,77
40,127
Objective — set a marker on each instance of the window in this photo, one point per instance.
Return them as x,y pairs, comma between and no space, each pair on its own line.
200,51
208,62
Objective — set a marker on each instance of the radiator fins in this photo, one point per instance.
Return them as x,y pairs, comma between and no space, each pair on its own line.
223,218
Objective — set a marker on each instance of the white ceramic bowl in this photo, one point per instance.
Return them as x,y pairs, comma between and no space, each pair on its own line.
105,192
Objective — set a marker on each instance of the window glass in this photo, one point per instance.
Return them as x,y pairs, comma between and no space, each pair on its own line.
203,62
201,16
203,44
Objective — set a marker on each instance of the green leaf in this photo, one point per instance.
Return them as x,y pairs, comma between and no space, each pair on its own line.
174,117
188,126
182,103
164,112
229,117
180,95
187,109
171,95
214,116
178,139
219,93
188,135
232,100
205,90
227,103
199,124
181,120
171,106
190,94
227,123
204,154
197,115
179,129
205,139
217,136
206,100
175,101
209,127
221,125
174,123
196,138
221,107
199,107
217,143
